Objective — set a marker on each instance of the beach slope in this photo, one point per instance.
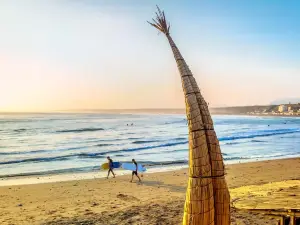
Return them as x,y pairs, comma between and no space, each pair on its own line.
158,199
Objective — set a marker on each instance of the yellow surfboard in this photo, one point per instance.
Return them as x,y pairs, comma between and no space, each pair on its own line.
105,166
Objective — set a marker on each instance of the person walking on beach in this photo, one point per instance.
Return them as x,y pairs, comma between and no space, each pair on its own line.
110,166
135,172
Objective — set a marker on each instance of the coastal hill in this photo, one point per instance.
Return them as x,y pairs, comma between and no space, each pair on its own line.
244,109
291,109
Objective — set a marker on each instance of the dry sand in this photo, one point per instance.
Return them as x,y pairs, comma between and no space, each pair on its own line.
157,200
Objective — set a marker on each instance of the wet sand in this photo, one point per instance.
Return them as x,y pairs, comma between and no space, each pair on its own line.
158,199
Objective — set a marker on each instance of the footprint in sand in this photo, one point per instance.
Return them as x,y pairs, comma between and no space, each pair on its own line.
52,212
127,197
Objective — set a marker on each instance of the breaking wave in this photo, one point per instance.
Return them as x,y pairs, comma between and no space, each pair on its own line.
103,145
260,133
144,142
79,130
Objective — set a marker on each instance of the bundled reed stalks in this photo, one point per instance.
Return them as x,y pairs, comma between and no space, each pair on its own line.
207,196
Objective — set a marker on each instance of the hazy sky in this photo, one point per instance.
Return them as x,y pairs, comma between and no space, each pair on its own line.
57,54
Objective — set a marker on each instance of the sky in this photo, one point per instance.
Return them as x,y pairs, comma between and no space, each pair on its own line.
71,55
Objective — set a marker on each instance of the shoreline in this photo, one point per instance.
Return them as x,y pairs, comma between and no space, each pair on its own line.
101,174
159,199
65,177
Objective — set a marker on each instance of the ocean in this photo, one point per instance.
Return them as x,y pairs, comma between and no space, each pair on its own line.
41,144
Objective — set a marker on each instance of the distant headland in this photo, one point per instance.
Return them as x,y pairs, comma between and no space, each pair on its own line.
263,110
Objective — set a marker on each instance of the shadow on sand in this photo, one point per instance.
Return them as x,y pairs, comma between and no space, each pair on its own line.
159,184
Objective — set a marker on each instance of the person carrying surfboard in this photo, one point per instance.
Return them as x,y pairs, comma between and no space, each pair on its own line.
134,172
111,167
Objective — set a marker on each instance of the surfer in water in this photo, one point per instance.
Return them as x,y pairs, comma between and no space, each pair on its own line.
111,167
135,172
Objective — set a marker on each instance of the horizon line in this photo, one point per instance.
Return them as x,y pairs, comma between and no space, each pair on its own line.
129,109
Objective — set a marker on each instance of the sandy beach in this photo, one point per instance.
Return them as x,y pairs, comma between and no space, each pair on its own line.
157,200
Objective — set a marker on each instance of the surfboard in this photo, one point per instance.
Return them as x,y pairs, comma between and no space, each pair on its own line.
131,166
115,165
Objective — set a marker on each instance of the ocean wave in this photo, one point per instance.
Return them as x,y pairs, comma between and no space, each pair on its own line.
145,163
144,142
177,121
135,149
257,141
56,158
103,145
20,130
163,163
151,141
179,139
41,159
259,133
49,172
170,143
265,156
20,153
131,138
235,158
90,154
290,137
154,146
79,130
41,151
90,169
236,142
248,135
232,143
96,140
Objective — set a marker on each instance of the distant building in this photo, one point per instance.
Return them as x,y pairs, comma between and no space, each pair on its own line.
282,108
